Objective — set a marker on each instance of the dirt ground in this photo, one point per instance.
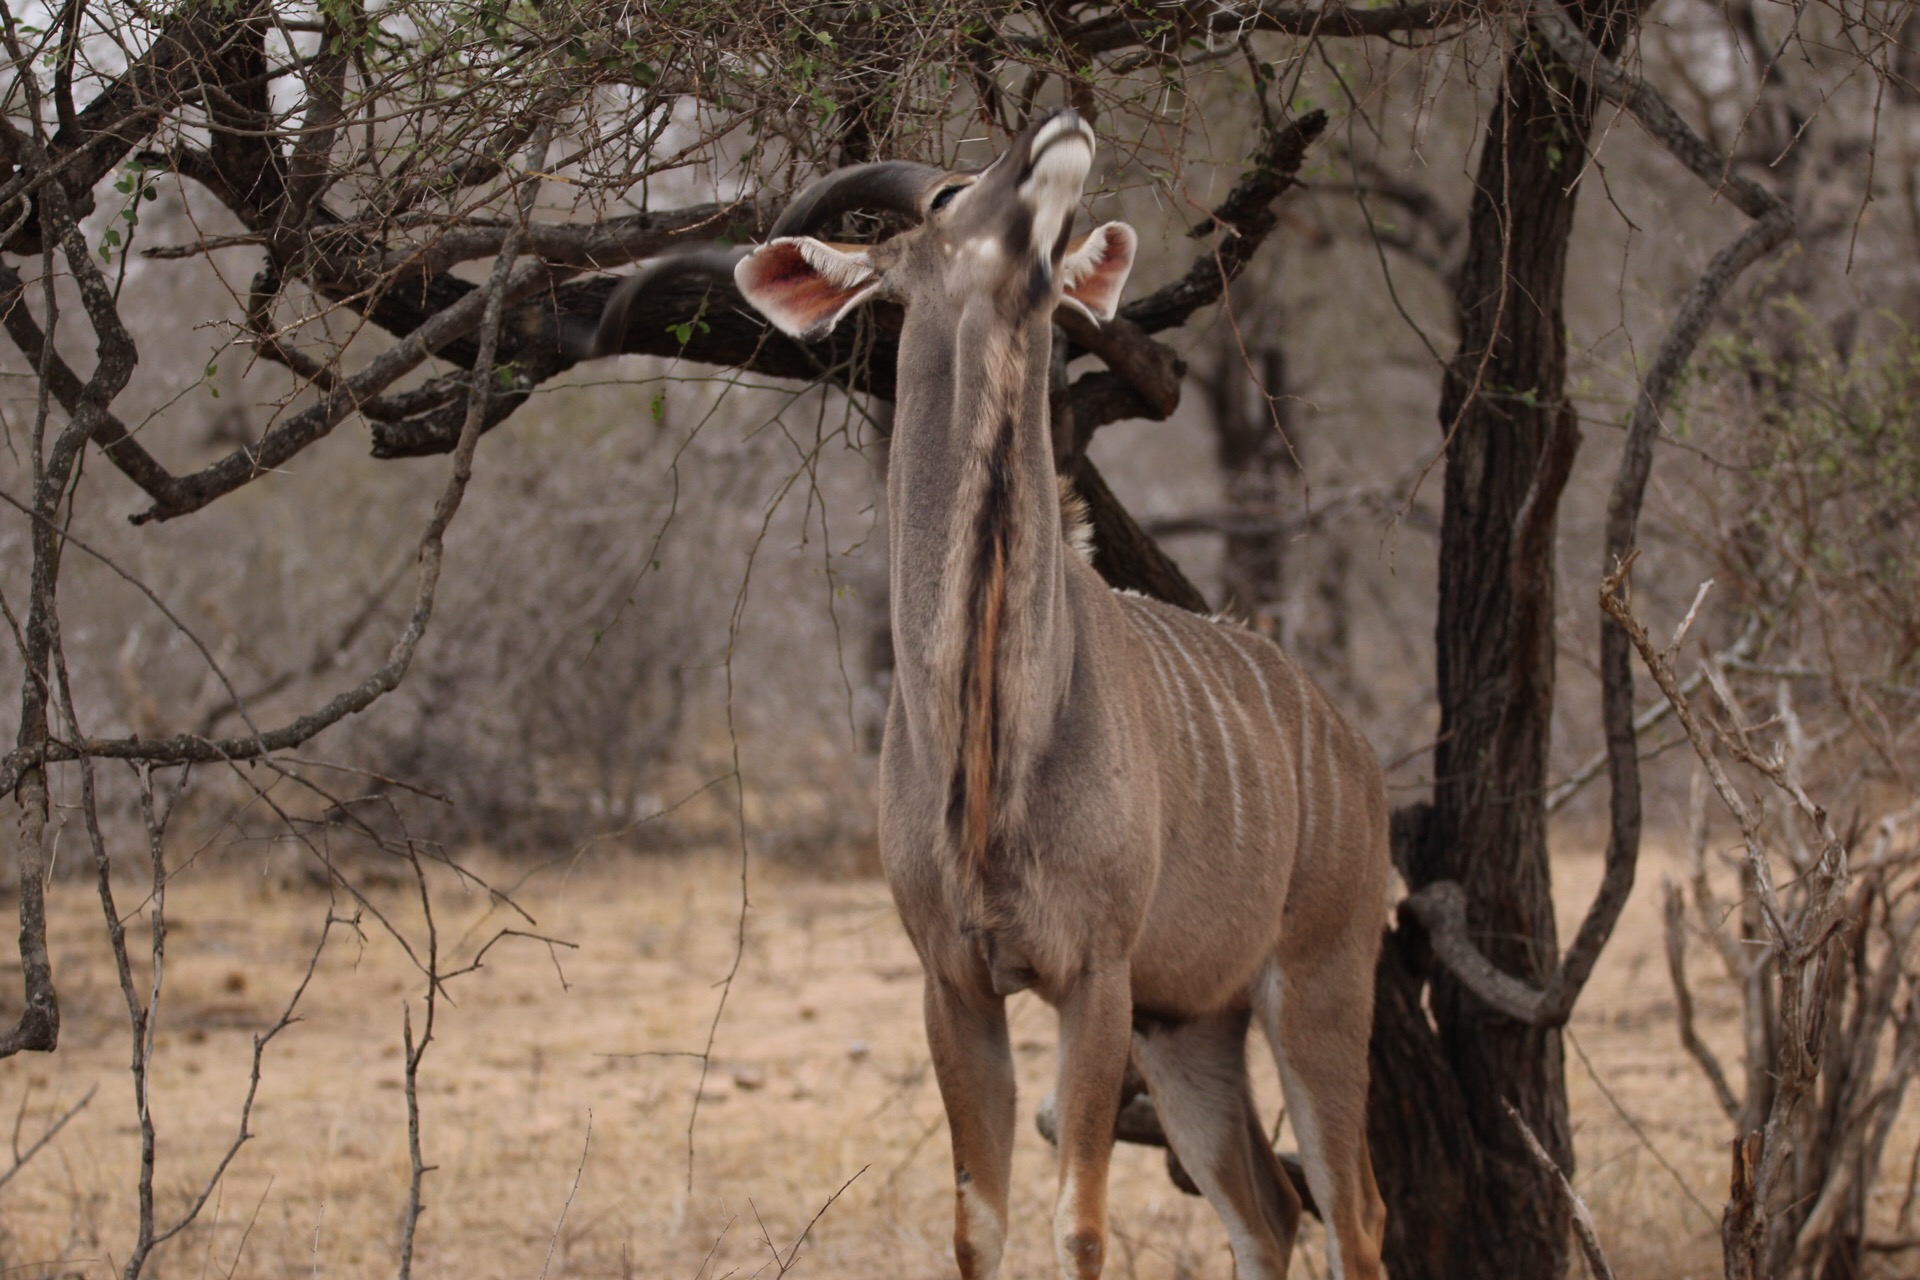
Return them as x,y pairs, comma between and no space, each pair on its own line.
555,1111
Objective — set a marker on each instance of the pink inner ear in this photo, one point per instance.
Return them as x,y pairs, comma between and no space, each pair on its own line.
789,290
1096,268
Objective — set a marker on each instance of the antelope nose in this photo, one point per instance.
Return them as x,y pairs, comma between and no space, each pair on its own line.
1062,125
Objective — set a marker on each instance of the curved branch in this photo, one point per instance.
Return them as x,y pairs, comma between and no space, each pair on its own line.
1246,217
1616,649
1435,905
1655,114
249,463
109,433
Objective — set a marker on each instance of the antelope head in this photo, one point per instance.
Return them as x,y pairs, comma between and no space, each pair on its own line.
993,246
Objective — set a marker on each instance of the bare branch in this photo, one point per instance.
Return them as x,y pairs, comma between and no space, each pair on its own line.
1244,219
1655,114
1676,937
192,492
1166,27
1441,908
38,1027
1583,1226
47,1135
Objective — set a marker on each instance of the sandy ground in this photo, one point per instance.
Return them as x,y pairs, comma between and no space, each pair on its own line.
556,1114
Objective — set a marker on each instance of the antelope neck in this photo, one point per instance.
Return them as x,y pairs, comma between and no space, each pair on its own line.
983,645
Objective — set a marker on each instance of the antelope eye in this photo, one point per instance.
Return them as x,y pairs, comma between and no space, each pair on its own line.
944,197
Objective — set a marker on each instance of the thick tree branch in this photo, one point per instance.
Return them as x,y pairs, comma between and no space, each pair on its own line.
288,438
1123,553
1441,909
1655,114
109,433
170,71
1166,27
1244,218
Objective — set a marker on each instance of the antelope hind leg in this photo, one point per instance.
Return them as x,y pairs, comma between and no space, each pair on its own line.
1095,1036
1317,1012
1197,1071
973,1061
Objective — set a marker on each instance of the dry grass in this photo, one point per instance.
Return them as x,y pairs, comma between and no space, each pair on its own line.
821,1075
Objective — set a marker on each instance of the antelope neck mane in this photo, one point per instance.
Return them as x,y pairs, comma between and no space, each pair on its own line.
991,561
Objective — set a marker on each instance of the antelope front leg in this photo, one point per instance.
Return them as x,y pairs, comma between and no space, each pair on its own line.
972,1059
1096,1030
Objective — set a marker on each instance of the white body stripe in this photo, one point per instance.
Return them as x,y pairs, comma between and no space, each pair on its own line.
1233,768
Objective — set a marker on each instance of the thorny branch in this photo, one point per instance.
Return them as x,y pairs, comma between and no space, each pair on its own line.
497,292
1807,946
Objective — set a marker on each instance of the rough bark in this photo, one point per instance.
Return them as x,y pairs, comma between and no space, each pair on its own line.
1512,436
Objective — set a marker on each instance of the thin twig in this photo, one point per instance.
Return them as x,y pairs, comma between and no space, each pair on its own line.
47,1135
553,1242
1583,1229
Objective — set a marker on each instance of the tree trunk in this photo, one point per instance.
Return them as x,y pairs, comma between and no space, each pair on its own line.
1464,1199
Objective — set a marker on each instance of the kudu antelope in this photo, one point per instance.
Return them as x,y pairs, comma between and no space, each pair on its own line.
1152,819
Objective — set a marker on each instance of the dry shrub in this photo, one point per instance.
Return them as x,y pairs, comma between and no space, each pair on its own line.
1814,529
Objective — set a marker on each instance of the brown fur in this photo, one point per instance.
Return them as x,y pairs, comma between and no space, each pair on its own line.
978,719
975,802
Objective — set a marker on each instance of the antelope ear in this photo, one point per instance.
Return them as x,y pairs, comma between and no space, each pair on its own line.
805,285
1096,267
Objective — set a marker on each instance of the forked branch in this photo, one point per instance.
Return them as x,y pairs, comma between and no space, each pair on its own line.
1441,907
1810,946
